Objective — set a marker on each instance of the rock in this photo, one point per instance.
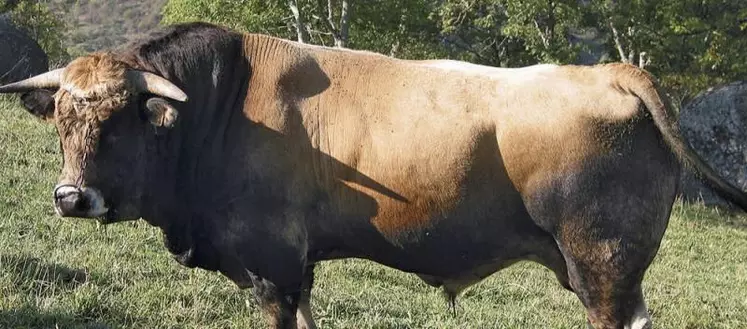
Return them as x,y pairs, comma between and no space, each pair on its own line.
20,55
715,125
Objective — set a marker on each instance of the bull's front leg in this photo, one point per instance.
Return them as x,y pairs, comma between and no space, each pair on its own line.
304,317
272,254
278,304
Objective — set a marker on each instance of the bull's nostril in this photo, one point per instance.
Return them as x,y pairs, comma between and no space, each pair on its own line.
65,190
70,200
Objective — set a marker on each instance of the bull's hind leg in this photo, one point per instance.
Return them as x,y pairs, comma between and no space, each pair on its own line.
608,216
608,284
607,252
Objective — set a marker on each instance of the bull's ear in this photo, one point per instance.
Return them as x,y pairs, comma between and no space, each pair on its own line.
161,113
40,103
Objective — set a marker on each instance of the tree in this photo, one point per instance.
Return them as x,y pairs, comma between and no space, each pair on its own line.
260,16
300,22
704,43
8,5
340,31
403,29
510,33
544,27
689,44
35,18
382,26
473,31
631,28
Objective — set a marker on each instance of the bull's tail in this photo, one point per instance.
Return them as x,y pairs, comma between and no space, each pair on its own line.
647,89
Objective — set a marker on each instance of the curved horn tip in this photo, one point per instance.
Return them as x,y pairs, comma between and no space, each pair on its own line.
49,79
155,84
182,97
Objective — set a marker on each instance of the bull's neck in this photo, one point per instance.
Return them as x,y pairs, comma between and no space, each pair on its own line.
201,151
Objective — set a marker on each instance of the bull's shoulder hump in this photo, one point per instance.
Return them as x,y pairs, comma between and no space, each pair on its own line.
323,49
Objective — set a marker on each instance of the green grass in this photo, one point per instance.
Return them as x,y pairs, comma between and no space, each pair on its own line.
74,274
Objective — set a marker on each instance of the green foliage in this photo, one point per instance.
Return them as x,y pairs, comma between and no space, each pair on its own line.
677,37
400,28
473,31
260,16
691,44
703,43
509,33
544,27
42,25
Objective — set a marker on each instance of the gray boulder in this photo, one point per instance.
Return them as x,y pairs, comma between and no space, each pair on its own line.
20,55
715,124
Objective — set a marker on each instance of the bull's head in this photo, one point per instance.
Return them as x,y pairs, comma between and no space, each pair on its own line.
102,111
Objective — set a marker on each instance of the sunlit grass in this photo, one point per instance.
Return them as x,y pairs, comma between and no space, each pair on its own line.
75,274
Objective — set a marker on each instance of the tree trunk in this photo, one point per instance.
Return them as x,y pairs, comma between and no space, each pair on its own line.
643,59
618,43
342,33
631,53
344,25
299,23
545,41
395,48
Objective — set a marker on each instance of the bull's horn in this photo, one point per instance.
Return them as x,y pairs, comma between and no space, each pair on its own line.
50,79
154,84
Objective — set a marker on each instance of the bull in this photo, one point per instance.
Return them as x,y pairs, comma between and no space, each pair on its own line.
259,157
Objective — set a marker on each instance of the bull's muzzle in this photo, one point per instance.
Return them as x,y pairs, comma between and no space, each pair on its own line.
73,201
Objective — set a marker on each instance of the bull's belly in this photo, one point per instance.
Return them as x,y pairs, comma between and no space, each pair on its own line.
436,200
465,242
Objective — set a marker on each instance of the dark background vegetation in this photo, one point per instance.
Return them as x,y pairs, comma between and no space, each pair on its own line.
689,44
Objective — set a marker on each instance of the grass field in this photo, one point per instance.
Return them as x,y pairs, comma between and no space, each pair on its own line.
62,273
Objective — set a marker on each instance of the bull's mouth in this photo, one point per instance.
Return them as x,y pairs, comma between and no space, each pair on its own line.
110,216
115,215
107,217
103,211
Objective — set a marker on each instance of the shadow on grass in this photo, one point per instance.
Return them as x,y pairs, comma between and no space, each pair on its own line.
40,280
34,272
29,317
